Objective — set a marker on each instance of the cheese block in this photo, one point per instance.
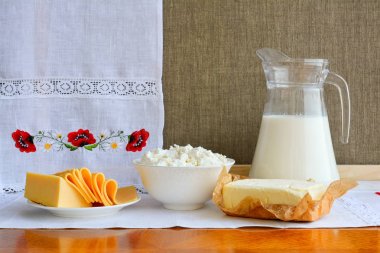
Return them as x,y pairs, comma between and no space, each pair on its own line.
271,191
53,191
126,194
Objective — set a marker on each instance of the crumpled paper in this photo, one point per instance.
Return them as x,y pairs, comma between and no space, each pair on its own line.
306,210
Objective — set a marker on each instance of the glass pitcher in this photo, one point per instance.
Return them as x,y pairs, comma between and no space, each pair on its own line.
294,140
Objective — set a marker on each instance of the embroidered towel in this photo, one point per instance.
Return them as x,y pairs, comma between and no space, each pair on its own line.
80,86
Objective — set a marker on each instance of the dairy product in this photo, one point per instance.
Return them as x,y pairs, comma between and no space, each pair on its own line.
126,194
294,147
76,188
183,156
271,191
53,191
95,188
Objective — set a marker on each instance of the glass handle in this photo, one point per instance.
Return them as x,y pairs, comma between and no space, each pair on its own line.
344,95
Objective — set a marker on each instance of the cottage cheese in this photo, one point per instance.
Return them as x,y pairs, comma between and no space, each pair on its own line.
183,156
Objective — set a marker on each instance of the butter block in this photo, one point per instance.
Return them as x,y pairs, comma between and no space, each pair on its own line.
271,191
53,191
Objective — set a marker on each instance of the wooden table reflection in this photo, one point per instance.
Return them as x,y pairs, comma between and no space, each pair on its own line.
197,240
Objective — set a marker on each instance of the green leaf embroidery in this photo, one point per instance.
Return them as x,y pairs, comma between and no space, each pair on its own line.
72,148
91,147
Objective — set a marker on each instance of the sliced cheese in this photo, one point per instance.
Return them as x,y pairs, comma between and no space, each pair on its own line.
109,191
96,189
53,191
98,182
271,191
79,180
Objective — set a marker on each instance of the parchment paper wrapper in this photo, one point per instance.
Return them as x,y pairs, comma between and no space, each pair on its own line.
306,210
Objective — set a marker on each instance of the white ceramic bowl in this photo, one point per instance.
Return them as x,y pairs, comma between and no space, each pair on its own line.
180,188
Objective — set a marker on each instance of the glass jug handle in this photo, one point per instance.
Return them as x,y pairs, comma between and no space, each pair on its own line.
344,95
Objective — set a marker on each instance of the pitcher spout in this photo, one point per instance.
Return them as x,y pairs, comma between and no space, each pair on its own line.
280,69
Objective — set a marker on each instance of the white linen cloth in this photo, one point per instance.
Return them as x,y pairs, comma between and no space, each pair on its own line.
358,208
78,64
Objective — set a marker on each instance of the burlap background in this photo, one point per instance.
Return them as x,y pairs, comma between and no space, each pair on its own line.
213,82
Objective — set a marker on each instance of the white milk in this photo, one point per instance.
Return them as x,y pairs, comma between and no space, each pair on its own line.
294,147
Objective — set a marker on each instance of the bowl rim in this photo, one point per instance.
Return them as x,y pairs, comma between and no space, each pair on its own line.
230,163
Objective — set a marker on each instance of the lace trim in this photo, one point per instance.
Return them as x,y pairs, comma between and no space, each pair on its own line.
8,191
77,87
140,189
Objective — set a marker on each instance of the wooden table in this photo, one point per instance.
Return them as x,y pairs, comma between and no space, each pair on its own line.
200,240
197,240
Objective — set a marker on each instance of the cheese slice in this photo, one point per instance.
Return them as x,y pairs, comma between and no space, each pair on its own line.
271,191
98,185
81,180
53,191
96,189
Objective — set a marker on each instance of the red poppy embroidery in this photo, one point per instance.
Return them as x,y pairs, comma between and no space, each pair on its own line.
23,141
52,140
81,138
137,140
378,193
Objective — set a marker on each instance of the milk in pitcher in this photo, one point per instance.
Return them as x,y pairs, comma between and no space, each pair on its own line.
294,140
294,147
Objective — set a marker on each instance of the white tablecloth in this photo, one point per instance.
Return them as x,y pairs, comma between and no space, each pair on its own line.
358,208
